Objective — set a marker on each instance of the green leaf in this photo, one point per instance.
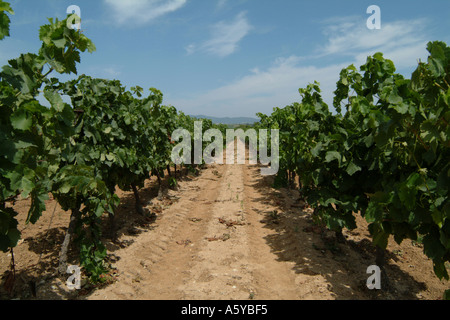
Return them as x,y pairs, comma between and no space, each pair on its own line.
395,98
408,190
374,213
37,205
10,239
352,168
316,150
437,59
5,6
4,19
414,181
62,46
99,211
21,121
55,100
65,188
445,240
110,157
432,246
381,240
22,181
4,25
333,155
24,73
440,269
60,43
14,237
401,108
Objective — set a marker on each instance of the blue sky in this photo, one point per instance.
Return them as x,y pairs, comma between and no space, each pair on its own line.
234,58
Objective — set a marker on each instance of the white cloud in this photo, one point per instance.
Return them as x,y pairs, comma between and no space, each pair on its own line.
111,72
142,11
404,42
225,37
105,72
261,91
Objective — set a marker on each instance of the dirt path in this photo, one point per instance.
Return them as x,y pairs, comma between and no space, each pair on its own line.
211,245
232,236
208,245
226,235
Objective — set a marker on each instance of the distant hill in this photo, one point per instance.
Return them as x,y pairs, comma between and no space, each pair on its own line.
227,120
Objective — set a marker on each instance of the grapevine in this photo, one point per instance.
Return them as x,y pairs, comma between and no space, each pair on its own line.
384,157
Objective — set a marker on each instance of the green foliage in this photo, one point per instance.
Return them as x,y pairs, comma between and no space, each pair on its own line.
4,19
106,137
61,46
387,156
31,135
35,140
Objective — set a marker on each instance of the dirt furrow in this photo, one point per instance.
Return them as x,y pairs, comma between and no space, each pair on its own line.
221,269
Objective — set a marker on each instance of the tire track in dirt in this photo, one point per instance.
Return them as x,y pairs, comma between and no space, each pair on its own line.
221,270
